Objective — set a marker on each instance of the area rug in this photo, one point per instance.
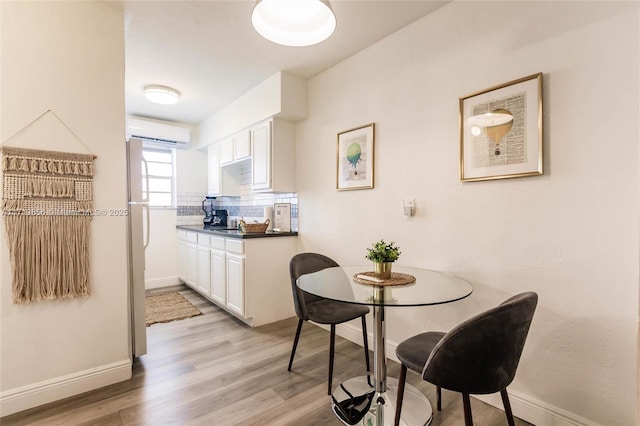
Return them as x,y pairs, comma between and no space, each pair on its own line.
168,307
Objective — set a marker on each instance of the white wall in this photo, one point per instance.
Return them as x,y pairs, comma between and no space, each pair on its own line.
161,269
570,235
191,170
67,57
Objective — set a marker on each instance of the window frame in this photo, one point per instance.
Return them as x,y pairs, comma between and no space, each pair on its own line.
164,149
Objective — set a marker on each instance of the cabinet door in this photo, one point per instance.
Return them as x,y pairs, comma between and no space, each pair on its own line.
261,159
182,260
213,176
203,280
241,145
235,283
218,277
226,151
192,265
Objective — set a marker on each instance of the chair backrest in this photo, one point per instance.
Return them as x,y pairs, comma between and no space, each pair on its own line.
481,355
306,263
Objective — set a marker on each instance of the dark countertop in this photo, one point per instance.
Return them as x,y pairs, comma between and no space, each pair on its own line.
233,233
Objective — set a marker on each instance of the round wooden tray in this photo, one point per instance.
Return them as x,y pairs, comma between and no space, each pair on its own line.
397,278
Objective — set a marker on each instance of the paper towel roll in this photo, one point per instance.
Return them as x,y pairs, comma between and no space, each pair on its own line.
268,214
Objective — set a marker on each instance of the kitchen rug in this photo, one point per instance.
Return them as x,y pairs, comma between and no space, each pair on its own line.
168,307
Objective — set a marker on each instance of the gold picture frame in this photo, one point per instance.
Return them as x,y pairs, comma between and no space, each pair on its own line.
501,131
355,156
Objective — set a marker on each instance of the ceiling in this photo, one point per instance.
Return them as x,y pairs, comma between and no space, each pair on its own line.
209,51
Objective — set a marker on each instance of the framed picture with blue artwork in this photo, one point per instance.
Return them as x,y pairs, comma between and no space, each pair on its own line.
355,158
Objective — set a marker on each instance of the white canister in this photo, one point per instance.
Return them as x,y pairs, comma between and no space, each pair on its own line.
268,214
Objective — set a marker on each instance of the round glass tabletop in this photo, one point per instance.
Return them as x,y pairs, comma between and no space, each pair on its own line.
429,288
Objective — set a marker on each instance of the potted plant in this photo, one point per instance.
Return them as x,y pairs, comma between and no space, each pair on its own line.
383,255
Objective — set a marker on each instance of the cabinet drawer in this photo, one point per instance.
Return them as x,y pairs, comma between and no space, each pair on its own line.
182,235
203,240
235,246
217,243
192,237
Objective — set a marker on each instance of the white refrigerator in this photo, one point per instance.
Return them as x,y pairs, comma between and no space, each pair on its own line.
138,233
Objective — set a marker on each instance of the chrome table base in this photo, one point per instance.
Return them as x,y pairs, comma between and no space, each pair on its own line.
416,409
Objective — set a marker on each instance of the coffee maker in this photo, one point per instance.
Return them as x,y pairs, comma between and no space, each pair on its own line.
219,219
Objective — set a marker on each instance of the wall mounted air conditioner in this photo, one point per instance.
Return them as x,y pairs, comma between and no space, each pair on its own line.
153,131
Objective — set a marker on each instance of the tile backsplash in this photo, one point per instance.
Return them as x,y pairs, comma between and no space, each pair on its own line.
250,207
189,208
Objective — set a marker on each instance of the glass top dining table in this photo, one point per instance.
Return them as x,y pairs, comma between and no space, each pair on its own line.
429,288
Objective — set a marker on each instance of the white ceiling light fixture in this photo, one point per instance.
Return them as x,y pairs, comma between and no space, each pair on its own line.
294,22
490,119
161,94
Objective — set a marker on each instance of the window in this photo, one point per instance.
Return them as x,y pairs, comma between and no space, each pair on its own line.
161,176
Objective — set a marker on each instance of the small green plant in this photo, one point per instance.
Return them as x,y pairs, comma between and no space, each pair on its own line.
383,252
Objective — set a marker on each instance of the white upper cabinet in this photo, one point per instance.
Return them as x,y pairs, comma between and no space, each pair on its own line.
213,178
226,151
270,145
222,180
241,145
235,148
273,156
261,160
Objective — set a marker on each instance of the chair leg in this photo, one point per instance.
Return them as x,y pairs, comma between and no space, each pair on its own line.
468,418
507,407
439,395
295,344
401,381
332,347
366,342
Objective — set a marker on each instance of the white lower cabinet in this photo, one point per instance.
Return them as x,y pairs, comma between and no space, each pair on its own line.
203,280
192,265
219,277
247,277
235,283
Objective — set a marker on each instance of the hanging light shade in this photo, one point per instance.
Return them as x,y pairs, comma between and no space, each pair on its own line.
490,119
294,22
161,94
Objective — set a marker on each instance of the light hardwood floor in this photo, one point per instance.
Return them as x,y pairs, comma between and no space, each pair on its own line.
214,370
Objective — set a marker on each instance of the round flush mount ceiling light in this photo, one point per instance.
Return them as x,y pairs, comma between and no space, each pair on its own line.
490,119
161,94
294,22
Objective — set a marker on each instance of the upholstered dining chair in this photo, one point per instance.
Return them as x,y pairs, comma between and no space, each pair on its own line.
310,307
479,356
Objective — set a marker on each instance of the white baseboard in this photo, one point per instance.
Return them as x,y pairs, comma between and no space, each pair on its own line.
161,282
34,395
523,406
536,412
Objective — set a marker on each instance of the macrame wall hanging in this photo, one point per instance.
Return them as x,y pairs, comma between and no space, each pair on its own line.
47,202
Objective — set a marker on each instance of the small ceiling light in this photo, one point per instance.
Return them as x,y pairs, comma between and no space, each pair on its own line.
294,22
490,119
161,94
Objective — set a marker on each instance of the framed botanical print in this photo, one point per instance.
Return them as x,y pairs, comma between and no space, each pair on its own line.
355,158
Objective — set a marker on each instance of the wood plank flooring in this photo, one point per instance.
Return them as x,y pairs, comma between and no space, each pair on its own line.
215,370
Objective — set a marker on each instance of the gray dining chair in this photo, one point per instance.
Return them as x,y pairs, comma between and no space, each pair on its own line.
479,356
314,308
